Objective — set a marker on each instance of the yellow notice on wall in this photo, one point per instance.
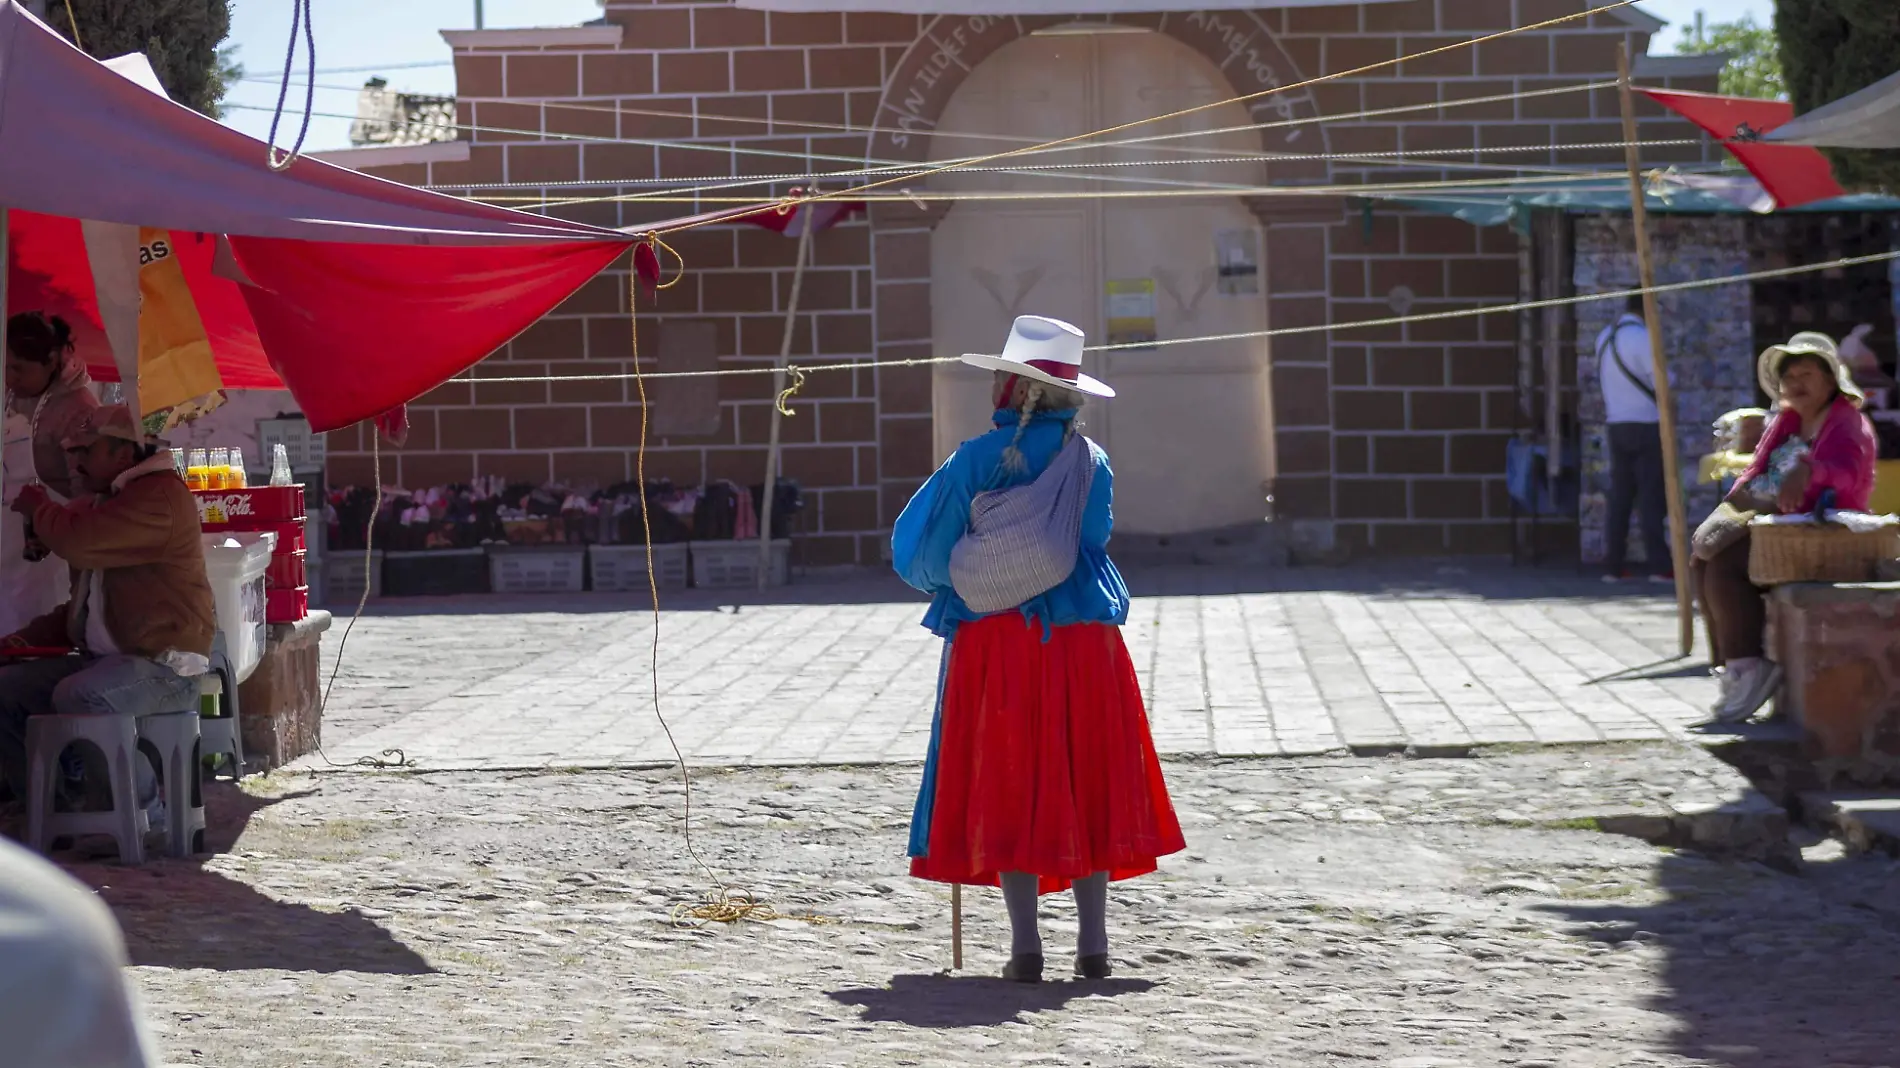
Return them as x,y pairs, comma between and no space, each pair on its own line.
1131,312
176,368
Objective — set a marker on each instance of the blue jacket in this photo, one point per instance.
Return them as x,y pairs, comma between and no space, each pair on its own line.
939,515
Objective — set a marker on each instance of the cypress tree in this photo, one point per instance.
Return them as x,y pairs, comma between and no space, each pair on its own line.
1831,48
180,37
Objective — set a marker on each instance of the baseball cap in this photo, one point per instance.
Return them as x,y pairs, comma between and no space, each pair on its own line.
109,421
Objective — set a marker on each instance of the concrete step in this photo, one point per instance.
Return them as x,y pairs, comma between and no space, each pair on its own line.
1863,820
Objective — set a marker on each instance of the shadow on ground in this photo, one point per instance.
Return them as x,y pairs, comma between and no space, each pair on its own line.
968,1001
1482,578
1766,970
179,914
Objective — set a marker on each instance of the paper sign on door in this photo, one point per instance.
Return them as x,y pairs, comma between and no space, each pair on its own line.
1131,313
1237,255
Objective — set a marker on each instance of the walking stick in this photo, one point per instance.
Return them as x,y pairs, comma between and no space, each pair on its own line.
956,927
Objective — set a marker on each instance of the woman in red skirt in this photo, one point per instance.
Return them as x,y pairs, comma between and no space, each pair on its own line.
1042,774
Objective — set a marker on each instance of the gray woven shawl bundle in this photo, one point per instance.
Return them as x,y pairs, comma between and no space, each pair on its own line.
1023,541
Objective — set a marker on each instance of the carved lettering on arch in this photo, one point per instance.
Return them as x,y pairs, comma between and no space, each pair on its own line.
952,46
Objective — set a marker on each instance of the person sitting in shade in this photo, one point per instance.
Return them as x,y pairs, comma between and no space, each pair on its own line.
1819,445
141,617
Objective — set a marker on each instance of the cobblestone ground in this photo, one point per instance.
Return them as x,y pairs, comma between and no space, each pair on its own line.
1402,913
1295,662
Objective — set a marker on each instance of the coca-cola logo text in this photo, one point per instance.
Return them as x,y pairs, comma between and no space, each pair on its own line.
234,504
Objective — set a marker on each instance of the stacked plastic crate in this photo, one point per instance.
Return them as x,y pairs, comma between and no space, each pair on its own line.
280,510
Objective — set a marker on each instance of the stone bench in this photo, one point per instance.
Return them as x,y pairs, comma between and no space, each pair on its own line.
282,702
1839,645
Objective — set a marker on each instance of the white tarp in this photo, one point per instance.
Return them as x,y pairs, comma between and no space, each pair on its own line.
1033,7
1867,119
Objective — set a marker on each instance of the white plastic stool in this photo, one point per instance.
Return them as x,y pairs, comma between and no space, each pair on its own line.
220,735
114,736
173,740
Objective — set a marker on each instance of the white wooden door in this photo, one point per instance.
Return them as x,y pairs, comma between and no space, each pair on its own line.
1190,434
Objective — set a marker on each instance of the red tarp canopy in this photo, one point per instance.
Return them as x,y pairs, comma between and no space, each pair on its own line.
356,294
363,293
1793,175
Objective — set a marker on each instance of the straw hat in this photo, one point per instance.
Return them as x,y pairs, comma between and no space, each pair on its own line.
1806,343
1044,350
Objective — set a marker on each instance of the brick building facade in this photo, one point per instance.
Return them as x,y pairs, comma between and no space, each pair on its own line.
1385,440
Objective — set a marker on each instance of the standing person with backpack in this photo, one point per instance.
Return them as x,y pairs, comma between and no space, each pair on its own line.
1634,440
1042,775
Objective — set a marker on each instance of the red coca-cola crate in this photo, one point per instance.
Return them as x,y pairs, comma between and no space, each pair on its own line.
286,571
256,508
286,605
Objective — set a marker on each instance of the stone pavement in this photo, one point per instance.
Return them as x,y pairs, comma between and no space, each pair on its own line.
1385,913
1421,657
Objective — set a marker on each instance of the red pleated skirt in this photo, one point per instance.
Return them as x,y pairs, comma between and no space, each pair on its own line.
1044,763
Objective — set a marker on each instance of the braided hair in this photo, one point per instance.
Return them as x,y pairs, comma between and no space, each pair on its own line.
1013,459
1035,396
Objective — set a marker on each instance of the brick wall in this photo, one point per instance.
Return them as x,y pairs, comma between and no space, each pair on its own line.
1390,439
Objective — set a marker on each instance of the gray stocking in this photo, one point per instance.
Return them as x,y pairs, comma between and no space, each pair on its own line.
1091,913
1019,896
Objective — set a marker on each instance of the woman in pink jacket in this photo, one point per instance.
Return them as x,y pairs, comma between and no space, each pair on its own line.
1818,445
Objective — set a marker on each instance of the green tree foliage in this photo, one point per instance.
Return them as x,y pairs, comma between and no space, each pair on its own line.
1831,48
1754,66
180,37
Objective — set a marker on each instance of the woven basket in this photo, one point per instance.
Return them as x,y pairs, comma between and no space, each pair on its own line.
1780,553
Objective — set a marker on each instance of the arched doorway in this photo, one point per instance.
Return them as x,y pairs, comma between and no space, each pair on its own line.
1192,432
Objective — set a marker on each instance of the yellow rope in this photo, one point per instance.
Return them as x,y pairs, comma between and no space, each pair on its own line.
723,903
74,24
798,383
1503,184
1285,331
854,193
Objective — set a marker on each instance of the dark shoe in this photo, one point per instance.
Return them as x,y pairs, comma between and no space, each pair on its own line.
1024,968
1093,966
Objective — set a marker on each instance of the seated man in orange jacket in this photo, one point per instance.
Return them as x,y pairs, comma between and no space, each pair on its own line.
141,614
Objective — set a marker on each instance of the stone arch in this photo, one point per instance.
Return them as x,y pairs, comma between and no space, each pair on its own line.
1239,43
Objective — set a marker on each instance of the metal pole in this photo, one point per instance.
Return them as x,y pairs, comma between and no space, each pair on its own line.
1665,401
5,270
778,388
478,14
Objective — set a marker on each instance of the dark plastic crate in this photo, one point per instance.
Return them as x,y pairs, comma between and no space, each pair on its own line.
435,573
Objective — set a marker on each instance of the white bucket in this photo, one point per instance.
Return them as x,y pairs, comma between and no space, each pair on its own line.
235,563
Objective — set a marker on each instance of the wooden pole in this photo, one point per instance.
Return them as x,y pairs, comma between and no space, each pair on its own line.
1665,400
778,388
956,927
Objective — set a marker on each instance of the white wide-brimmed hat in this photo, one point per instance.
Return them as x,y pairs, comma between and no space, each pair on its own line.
1045,350
1806,343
